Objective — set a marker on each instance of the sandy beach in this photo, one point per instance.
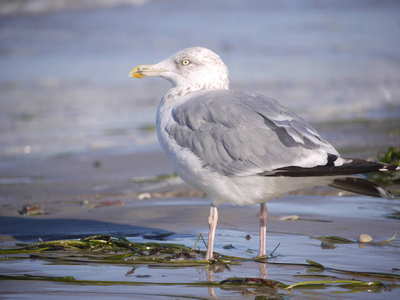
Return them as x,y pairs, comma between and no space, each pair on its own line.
79,155
83,195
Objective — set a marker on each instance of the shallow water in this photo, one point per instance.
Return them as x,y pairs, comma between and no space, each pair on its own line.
297,243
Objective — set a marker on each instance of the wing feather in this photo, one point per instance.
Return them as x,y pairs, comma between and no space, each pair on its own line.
240,134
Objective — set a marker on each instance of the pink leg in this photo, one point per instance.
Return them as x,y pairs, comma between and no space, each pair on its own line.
262,217
212,222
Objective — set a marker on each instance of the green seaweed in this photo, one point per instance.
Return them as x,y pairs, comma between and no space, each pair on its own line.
232,281
158,178
315,264
21,251
347,283
357,273
71,279
107,249
391,156
333,239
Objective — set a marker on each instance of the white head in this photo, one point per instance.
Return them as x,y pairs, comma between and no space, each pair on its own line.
189,70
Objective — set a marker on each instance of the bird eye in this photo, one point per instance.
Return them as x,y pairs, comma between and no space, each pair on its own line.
185,62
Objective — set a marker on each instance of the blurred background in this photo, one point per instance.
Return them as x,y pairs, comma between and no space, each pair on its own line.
64,65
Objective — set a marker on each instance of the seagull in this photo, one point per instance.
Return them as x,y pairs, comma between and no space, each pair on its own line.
240,147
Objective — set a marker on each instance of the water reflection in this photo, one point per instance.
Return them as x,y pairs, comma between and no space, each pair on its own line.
214,268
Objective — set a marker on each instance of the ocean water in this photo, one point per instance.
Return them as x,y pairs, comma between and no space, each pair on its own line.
63,68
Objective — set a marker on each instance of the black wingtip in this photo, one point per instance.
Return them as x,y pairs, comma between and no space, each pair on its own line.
351,166
361,186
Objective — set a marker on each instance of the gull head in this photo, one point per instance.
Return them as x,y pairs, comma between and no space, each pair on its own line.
191,69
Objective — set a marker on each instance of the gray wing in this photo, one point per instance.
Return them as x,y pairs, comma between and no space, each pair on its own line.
239,134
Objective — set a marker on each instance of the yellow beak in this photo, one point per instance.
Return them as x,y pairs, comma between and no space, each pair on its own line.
145,71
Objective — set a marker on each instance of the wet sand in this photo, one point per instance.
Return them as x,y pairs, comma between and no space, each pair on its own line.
83,195
76,143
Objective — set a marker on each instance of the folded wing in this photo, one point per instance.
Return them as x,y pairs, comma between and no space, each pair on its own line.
241,134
